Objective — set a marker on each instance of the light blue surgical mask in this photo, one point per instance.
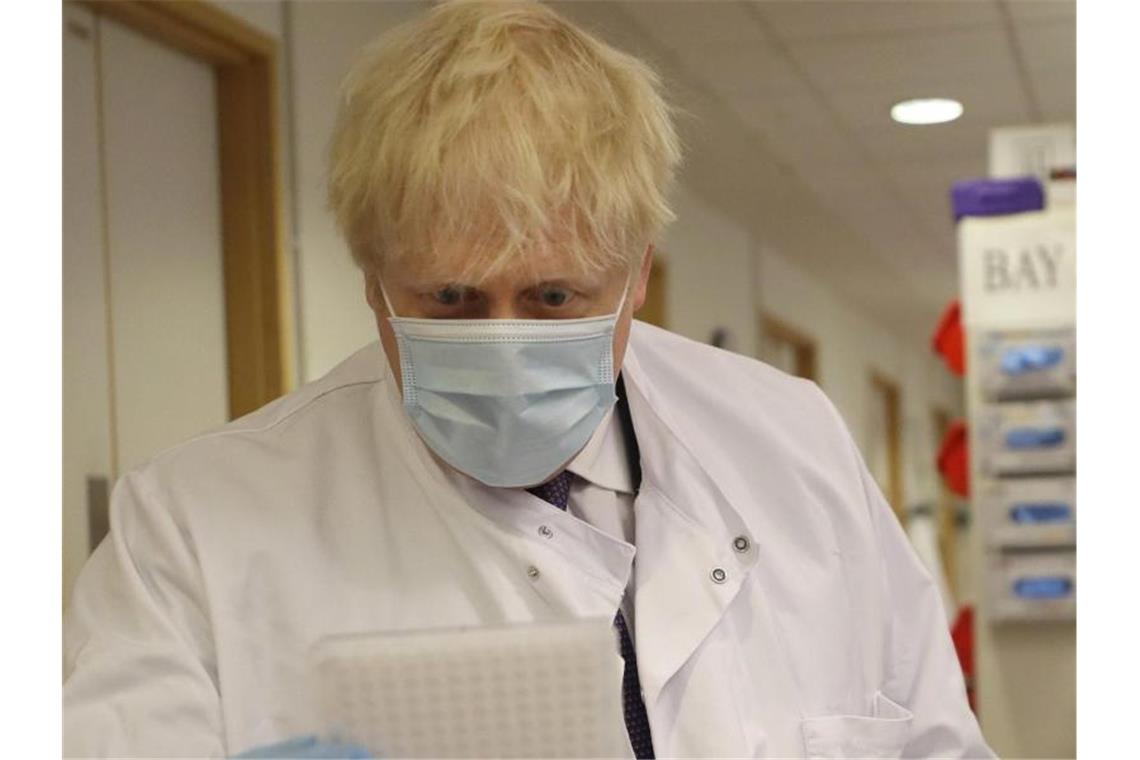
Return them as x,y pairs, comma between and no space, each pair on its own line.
506,401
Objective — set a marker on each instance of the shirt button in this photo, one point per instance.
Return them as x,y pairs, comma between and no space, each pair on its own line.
718,575
532,573
545,531
741,544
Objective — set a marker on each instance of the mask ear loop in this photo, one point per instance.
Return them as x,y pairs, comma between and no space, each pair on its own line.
624,294
387,303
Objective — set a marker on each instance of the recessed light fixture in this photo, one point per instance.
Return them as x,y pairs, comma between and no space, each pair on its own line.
926,111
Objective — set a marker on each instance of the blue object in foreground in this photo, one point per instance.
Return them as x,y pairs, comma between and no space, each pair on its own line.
308,747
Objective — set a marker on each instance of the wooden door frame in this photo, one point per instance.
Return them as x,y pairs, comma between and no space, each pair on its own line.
802,344
258,300
881,383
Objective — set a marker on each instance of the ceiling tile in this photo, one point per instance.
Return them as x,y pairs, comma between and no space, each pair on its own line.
791,110
689,24
800,131
900,143
938,216
814,18
861,194
904,60
927,188
1049,45
742,68
871,209
935,177
1057,93
1027,10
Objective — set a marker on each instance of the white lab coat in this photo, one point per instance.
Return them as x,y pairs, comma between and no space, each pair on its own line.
323,512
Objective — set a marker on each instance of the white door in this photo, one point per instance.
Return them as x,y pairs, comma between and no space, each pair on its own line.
144,310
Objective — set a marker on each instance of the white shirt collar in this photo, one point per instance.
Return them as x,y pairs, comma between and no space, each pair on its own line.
604,461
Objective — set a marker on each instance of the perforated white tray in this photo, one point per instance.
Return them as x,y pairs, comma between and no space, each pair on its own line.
534,690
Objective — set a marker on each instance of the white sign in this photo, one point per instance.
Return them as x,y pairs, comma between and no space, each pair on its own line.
1019,271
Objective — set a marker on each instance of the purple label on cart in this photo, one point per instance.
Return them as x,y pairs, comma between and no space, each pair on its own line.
996,197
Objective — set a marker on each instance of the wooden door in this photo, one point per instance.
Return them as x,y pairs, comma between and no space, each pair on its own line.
883,449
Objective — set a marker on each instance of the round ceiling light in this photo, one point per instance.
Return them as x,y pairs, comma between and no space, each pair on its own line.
926,111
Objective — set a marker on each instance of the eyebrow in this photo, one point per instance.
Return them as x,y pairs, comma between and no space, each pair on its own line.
436,285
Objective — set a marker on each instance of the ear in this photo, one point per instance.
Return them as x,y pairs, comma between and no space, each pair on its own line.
641,286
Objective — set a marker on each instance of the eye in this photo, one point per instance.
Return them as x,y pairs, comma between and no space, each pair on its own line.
451,295
553,297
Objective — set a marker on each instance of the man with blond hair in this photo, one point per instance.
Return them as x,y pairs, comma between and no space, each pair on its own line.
508,447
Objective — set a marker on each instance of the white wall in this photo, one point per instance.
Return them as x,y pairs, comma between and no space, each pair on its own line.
334,317
710,273
720,277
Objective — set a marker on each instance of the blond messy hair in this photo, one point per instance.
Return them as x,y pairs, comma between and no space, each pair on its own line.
503,130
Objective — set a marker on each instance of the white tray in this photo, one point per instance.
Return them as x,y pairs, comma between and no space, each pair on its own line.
533,690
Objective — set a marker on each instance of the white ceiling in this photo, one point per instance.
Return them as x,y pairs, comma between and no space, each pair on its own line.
789,132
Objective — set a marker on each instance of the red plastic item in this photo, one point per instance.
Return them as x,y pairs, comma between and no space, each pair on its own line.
962,634
949,340
954,459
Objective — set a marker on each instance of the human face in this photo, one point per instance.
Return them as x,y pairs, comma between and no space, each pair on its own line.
554,290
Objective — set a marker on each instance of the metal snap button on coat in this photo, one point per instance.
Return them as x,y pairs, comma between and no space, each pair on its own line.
718,575
545,531
532,573
741,544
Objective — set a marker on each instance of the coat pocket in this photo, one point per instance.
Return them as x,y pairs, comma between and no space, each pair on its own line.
882,735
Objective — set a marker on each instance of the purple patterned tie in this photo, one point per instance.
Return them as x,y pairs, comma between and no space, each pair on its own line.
557,492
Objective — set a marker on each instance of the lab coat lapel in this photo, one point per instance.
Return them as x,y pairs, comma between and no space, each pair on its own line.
690,564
